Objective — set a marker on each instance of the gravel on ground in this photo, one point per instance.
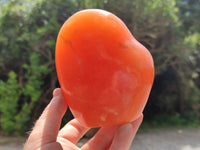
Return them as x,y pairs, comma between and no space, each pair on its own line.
164,139
174,139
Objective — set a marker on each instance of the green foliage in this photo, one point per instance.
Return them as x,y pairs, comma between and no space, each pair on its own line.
193,39
169,29
174,120
87,4
22,118
27,41
13,116
33,75
189,14
9,96
32,90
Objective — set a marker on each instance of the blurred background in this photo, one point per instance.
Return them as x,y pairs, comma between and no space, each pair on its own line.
169,29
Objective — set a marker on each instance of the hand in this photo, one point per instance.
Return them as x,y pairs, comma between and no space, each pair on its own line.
46,134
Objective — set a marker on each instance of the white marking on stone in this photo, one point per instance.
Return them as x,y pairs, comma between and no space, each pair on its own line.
103,118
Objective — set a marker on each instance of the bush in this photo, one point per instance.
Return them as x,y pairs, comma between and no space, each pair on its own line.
15,110
9,96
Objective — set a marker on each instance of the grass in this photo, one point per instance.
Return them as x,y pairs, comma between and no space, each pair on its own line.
164,121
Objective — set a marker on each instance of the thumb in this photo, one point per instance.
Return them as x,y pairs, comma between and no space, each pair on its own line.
125,135
47,127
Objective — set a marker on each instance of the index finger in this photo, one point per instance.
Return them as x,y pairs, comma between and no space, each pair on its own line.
73,131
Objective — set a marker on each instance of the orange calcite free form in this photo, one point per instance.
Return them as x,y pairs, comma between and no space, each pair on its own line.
105,74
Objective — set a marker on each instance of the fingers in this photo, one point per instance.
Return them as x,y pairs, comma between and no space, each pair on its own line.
114,138
46,128
73,131
125,135
101,140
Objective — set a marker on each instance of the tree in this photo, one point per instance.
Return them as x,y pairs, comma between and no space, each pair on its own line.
169,29
27,43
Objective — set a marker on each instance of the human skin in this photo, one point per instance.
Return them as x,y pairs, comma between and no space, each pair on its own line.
47,135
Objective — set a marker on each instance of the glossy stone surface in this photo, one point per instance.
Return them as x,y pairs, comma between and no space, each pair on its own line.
105,74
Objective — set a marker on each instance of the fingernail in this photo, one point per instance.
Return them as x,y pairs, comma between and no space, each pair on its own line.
125,127
56,92
138,121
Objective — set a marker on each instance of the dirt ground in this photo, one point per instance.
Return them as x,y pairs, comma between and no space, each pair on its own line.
168,139
174,139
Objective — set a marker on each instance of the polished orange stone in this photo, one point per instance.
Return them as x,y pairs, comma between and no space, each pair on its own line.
105,74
